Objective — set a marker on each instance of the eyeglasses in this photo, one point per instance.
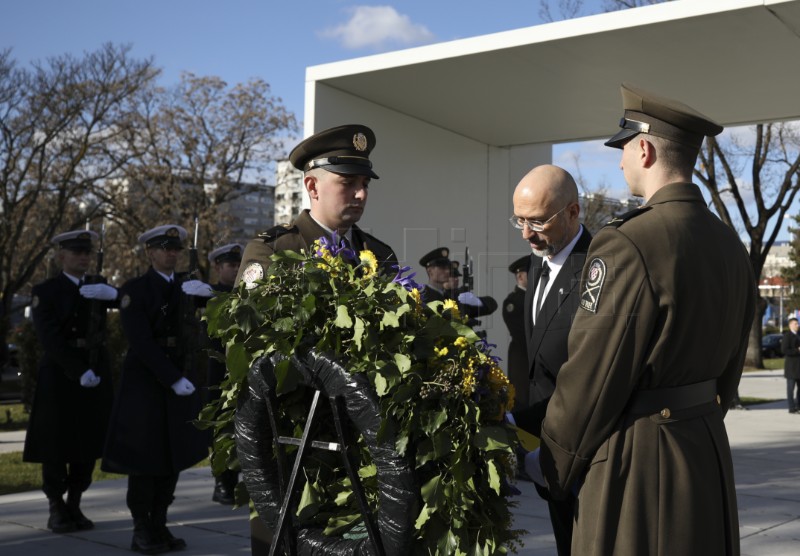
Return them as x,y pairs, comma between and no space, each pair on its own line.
533,225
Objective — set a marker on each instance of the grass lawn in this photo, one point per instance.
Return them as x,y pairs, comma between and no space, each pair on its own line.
13,417
773,364
19,476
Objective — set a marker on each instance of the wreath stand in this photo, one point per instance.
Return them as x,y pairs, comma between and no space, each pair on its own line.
355,409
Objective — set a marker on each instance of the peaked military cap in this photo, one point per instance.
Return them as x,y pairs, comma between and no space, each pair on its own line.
231,252
523,263
437,257
647,112
454,268
76,240
343,149
168,235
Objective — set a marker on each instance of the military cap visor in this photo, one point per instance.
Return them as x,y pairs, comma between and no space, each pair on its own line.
164,236
438,257
343,150
76,240
649,113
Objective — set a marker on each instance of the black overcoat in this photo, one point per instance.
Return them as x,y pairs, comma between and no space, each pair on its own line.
151,432
68,422
790,346
517,367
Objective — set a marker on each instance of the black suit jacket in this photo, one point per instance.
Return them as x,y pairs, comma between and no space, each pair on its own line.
547,340
790,345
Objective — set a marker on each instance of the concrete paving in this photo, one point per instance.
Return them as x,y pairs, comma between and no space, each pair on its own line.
766,452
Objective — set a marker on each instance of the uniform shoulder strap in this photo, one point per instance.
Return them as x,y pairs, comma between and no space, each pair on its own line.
275,232
618,221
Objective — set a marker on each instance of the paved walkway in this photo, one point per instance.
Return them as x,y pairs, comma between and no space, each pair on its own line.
766,451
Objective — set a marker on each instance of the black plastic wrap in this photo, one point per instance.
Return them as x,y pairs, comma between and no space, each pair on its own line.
398,491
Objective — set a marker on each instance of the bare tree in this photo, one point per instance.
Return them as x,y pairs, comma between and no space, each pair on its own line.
200,145
59,123
759,204
556,10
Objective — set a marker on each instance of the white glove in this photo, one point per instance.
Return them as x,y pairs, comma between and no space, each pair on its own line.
183,387
104,292
198,288
89,379
469,298
534,469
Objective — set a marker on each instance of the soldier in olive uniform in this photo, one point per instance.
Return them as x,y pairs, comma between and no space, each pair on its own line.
74,393
636,420
151,437
336,174
226,261
514,317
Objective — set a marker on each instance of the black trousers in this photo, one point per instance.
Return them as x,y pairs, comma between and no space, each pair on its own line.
148,493
58,478
562,516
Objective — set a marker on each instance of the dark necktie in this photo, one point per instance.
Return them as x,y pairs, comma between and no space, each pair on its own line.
543,279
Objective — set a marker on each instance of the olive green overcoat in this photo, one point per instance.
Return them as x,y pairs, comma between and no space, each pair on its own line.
668,299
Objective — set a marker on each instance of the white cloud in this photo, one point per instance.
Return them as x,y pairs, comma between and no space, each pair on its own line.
378,27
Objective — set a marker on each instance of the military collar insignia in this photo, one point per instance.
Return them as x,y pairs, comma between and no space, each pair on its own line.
252,273
618,221
593,287
360,142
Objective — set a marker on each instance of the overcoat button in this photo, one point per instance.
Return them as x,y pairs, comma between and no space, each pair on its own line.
665,413
718,400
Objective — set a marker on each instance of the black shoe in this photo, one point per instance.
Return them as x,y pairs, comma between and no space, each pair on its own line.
223,494
173,543
60,520
145,539
82,522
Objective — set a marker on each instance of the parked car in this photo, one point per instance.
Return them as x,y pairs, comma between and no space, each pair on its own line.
771,345
10,379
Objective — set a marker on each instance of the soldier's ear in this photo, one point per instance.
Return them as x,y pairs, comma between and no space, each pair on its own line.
310,183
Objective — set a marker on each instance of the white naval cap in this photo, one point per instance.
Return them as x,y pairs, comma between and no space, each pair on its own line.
168,235
229,252
76,239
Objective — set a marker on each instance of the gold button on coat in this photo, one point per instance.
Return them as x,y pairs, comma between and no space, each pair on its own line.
665,413
718,400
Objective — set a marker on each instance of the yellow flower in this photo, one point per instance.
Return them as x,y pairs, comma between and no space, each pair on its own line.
415,295
461,342
440,352
452,306
468,382
368,262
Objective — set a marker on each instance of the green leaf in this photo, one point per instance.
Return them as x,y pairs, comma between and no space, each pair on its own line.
381,384
238,362
432,420
286,376
285,324
424,516
403,363
309,502
494,477
343,319
491,438
389,319
358,332
431,491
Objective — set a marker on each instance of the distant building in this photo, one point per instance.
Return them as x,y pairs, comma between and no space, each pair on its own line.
597,210
288,192
251,214
777,259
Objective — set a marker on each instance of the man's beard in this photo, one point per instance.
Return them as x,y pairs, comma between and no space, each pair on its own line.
548,251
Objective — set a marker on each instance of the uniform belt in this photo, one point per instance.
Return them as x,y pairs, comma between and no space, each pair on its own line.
645,402
169,341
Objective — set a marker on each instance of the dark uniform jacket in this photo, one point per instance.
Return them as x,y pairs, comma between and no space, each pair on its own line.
668,300
300,235
68,422
151,431
216,368
514,317
790,346
547,340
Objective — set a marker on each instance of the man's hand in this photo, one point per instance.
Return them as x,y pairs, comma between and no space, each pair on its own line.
89,379
469,298
197,288
183,387
534,469
103,292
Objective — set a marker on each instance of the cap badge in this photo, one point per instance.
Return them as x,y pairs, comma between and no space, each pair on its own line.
84,235
445,252
236,249
251,273
173,232
594,285
360,141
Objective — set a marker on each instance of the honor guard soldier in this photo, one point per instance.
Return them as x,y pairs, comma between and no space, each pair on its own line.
635,424
73,396
336,174
226,261
438,266
514,317
151,437
468,303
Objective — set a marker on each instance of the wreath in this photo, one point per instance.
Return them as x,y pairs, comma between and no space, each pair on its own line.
441,394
